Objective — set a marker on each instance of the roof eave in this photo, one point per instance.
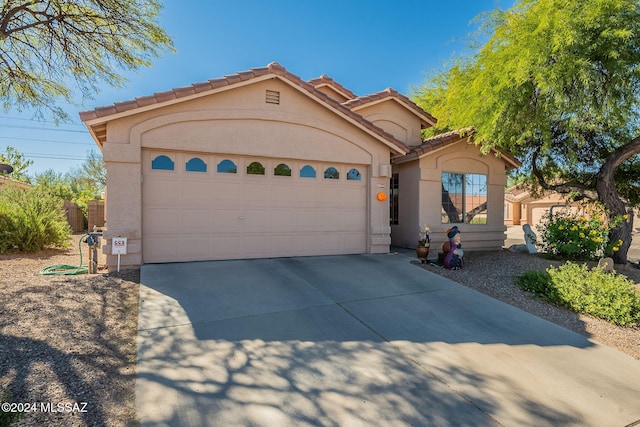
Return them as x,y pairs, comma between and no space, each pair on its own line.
426,119
94,120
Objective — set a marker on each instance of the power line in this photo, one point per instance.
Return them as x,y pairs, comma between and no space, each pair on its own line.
52,156
40,121
41,128
47,140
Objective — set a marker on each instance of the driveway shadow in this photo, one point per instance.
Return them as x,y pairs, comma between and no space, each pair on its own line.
355,340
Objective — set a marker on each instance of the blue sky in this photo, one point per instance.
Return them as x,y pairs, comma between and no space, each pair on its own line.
366,46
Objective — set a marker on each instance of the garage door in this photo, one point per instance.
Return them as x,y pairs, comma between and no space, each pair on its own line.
206,207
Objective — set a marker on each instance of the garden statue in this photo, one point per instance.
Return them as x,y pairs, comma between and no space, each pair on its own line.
424,241
453,258
607,265
530,239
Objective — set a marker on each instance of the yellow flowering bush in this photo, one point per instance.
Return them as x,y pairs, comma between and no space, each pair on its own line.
576,235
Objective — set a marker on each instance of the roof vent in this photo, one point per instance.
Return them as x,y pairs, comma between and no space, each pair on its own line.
273,97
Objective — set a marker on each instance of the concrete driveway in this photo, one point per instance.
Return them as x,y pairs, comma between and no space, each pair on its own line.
360,340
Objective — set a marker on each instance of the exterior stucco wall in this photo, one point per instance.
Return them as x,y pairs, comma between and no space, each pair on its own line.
460,157
237,121
395,119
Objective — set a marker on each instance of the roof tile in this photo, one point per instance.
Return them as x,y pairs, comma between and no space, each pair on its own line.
126,105
328,81
143,101
202,87
390,93
184,91
165,96
444,139
272,68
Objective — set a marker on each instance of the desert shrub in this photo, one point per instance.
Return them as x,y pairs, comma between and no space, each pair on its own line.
536,282
578,236
31,220
612,297
7,418
609,296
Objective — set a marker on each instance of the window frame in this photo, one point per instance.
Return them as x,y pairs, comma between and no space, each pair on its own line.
330,170
227,163
464,197
159,163
308,168
264,169
196,164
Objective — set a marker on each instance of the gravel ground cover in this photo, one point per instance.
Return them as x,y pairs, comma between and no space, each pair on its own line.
71,340
493,273
68,343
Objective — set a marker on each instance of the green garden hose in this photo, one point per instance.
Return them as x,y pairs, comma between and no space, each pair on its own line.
65,269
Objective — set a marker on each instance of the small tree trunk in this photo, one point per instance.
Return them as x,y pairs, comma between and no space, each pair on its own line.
622,232
608,195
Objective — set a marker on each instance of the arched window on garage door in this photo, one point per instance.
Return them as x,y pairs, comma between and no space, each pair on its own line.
196,165
307,172
255,168
162,163
331,173
227,166
354,175
282,170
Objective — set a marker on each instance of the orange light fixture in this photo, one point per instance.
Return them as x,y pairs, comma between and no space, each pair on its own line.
382,196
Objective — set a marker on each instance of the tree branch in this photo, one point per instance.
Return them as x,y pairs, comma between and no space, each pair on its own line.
562,188
606,183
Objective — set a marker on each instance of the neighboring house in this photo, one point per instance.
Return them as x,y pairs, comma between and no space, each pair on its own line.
522,208
5,180
264,164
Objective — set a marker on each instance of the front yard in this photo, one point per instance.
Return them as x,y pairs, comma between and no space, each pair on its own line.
68,342
72,339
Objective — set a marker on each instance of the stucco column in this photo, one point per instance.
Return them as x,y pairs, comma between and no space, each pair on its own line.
124,214
380,228
517,212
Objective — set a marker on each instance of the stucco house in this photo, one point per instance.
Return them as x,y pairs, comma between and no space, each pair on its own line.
5,181
264,164
521,207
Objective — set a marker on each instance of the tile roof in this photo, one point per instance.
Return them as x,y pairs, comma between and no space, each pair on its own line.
444,139
389,93
440,141
273,68
325,80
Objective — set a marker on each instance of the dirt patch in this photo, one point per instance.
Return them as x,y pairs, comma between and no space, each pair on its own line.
68,342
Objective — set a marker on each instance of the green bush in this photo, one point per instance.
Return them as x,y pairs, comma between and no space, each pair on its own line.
8,418
536,282
575,236
31,220
609,296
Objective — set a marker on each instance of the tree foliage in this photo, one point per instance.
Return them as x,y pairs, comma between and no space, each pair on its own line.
93,171
18,161
557,83
72,186
47,47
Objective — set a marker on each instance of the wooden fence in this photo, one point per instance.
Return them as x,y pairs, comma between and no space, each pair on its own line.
96,214
78,222
75,217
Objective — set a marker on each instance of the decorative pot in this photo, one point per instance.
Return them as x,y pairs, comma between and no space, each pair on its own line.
422,252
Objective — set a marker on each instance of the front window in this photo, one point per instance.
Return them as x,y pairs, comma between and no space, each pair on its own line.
464,198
